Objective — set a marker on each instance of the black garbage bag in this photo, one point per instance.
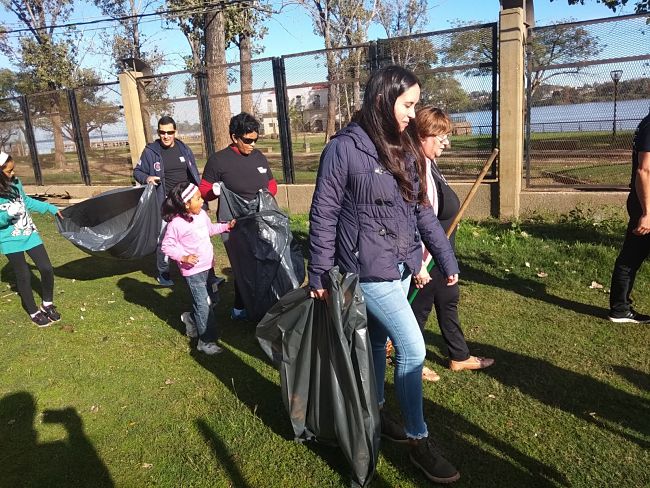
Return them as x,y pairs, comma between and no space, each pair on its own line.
325,360
265,259
122,223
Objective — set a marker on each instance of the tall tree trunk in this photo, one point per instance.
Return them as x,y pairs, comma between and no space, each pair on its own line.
215,59
246,73
356,95
57,131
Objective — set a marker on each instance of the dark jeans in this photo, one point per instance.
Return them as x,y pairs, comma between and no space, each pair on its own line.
445,299
634,251
162,261
204,299
24,276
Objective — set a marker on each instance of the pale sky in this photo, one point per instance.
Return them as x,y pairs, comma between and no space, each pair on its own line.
292,32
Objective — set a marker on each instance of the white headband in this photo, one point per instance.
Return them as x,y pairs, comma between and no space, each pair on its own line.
4,157
189,192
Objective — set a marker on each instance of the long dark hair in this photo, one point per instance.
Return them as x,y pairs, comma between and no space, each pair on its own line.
377,118
174,205
8,185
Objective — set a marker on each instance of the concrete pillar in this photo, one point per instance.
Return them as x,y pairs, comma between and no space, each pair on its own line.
132,113
512,39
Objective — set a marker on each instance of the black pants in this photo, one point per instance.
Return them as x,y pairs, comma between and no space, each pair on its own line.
634,251
445,299
239,300
24,276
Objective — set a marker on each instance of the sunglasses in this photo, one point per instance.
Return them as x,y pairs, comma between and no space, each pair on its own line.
248,140
166,132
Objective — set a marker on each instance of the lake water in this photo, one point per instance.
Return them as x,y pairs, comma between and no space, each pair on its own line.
595,116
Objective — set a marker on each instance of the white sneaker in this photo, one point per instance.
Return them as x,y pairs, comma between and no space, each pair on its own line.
190,326
209,348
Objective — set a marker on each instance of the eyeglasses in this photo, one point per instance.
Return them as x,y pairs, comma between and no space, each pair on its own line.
166,132
248,140
443,139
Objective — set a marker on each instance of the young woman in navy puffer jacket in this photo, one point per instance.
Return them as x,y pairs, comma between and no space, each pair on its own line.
369,216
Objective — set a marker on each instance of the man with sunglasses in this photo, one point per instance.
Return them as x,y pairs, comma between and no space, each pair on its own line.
243,169
165,162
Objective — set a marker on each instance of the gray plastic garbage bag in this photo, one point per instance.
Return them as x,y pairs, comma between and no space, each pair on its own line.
325,360
122,223
265,259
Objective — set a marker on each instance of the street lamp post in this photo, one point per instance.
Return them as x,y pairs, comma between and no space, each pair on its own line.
616,77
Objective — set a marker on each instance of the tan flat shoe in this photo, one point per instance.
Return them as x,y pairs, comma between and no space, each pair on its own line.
429,375
472,362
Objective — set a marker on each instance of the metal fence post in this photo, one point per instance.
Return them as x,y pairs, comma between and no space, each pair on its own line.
529,74
204,106
78,139
31,140
284,126
495,91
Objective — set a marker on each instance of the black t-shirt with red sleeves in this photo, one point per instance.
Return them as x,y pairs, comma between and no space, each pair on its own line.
641,143
243,175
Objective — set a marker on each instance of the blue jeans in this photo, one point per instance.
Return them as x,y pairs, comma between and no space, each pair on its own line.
391,316
203,301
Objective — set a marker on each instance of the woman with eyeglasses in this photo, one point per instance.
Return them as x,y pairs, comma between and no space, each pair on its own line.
244,170
434,127
369,216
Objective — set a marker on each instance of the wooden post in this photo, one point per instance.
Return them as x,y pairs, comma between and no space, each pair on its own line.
132,113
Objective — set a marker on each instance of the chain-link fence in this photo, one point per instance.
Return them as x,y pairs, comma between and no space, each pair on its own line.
324,90
588,88
457,70
13,137
104,134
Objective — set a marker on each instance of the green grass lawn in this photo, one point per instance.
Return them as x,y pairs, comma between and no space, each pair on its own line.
114,395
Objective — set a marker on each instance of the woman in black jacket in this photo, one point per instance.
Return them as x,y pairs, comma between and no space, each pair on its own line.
434,127
369,216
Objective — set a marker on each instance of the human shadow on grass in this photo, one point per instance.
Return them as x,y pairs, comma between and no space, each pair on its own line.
26,462
582,396
530,289
637,378
222,456
93,268
167,308
8,276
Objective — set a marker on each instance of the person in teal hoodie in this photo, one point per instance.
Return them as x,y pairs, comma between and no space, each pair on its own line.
19,236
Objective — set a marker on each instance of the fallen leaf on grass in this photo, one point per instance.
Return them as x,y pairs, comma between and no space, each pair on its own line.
147,465
131,318
491,396
169,381
541,274
94,409
595,285
67,328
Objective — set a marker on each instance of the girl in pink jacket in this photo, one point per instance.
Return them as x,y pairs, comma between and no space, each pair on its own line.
187,241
